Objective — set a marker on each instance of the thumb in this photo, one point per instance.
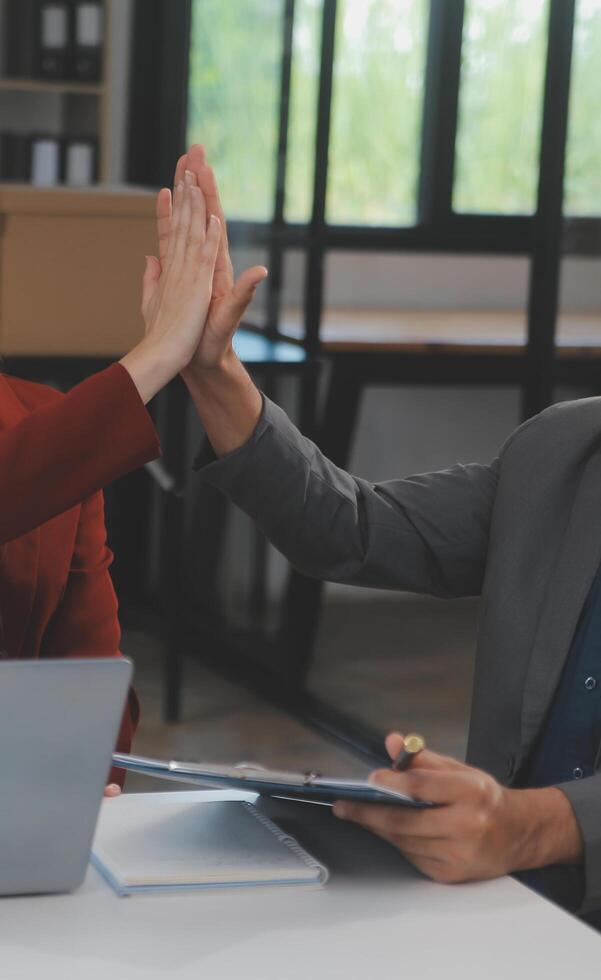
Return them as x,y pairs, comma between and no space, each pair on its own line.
243,293
394,744
150,280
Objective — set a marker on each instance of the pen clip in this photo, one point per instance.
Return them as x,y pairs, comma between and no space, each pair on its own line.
310,776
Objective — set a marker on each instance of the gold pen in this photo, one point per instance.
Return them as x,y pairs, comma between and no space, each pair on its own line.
412,746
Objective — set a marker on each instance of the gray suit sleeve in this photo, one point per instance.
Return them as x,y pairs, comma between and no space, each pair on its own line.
585,798
426,533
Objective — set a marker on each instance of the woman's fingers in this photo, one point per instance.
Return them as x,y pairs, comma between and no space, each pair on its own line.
180,226
198,230
152,274
178,199
164,209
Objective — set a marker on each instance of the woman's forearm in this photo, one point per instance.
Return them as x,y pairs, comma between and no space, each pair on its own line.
227,401
70,447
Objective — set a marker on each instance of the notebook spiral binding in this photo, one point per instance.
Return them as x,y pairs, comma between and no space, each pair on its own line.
291,843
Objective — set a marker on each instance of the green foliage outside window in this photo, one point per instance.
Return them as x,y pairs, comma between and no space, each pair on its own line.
376,112
300,161
500,106
234,94
234,91
583,161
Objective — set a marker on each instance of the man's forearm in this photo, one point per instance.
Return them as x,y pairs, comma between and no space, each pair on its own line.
227,401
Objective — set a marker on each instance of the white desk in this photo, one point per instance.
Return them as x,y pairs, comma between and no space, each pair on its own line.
375,918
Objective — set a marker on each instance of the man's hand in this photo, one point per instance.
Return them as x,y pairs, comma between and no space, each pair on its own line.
229,299
112,790
479,829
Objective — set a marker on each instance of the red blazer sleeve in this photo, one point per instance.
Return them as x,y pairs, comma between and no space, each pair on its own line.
71,447
86,623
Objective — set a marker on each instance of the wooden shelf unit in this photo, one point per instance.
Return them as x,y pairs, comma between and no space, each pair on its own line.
100,91
43,85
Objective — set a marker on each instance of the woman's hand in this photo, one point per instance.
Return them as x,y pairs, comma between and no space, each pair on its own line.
176,293
478,829
229,299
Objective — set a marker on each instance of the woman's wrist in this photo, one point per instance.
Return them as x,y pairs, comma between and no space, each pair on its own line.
151,365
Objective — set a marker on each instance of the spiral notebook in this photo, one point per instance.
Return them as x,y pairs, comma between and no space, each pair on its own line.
148,842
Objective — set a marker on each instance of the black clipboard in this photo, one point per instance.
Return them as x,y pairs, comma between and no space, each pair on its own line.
308,787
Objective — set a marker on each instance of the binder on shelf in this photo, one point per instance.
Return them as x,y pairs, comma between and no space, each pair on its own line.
88,34
80,161
15,157
45,161
53,40
20,30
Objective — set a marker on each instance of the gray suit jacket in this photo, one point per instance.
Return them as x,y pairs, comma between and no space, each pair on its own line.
524,532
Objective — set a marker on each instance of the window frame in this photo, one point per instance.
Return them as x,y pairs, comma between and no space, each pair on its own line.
164,32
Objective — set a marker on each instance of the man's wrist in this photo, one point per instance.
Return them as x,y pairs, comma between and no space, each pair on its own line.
545,829
199,375
228,403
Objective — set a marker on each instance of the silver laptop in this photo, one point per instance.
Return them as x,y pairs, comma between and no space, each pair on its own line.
59,721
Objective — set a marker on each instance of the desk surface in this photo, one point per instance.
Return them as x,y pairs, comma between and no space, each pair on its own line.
376,918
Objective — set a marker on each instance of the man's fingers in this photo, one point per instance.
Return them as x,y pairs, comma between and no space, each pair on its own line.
208,184
196,157
231,307
427,866
427,785
431,848
394,743
211,245
112,790
382,818
244,290
180,169
249,280
426,759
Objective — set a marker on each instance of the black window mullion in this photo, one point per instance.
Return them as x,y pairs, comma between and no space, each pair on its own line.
441,99
276,249
314,272
159,90
547,230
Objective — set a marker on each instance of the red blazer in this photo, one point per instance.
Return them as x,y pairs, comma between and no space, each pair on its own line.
56,452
